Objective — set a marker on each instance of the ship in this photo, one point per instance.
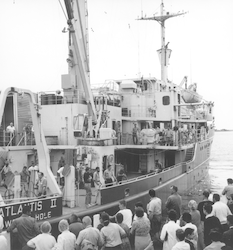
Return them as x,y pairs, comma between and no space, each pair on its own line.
145,127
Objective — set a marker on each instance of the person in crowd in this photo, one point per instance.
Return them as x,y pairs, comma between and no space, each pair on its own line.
228,190
87,185
43,241
66,239
230,203
101,224
221,210
135,134
181,244
139,204
186,220
196,220
75,224
10,130
89,237
111,234
121,176
26,226
3,240
141,231
201,204
24,180
125,240
97,183
215,237
127,213
174,201
41,184
154,211
227,237
210,223
168,233
189,236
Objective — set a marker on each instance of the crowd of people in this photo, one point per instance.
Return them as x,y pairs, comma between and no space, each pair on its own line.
178,135
207,225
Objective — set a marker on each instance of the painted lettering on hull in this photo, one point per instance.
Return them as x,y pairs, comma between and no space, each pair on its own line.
40,209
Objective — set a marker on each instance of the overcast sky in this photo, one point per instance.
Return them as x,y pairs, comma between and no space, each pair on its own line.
34,50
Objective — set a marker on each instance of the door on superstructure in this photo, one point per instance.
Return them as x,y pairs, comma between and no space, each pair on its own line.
169,158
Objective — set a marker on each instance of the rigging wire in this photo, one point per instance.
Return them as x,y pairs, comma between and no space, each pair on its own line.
63,10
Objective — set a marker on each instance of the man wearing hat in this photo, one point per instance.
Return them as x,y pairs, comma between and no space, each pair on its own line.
174,201
228,235
87,185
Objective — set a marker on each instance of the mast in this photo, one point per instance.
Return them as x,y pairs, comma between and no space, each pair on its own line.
164,53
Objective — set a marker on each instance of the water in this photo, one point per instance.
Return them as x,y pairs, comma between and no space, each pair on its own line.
221,161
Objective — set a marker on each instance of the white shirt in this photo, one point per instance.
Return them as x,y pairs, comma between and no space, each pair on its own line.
169,228
192,226
42,242
65,241
136,218
221,210
111,235
10,129
181,245
127,216
3,243
154,206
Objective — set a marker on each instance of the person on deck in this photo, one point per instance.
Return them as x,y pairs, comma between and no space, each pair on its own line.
87,185
97,183
135,134
109,176
24,180
41,184
227,237
10,130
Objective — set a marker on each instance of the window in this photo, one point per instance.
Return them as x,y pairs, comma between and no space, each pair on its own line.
166,100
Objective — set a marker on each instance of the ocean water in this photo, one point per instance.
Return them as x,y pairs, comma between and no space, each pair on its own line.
221,161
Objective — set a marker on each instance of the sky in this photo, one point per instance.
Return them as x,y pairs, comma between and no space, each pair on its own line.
33,49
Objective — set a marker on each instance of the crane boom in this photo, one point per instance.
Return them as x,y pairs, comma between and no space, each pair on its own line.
79,46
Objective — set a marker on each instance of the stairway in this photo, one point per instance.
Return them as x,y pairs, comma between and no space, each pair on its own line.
189,154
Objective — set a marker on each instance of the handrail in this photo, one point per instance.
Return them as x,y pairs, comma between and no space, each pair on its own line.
147,175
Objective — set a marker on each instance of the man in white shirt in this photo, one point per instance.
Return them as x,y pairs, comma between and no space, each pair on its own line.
127,213
10,130
221,210
154,211
181,244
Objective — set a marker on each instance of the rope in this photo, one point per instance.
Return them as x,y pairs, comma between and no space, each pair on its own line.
63,10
